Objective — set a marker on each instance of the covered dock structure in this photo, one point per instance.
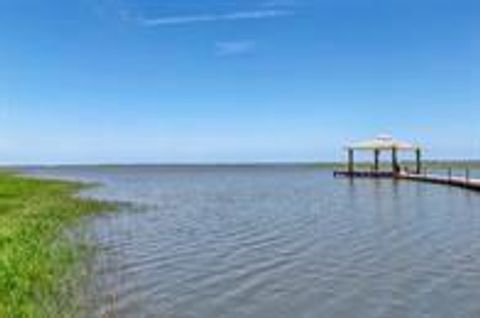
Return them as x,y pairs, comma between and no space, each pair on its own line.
385,143
377,145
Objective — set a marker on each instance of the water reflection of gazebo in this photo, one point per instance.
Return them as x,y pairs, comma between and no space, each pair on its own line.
382,143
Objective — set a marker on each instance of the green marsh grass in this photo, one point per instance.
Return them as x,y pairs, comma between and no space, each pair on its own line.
39,263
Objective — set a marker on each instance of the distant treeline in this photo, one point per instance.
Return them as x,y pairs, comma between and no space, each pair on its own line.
428,164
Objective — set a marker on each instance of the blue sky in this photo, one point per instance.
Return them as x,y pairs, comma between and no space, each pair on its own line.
124,81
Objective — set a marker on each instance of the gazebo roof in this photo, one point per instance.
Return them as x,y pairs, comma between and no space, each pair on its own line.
383,142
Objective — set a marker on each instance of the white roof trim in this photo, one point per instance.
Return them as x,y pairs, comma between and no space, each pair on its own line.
383,142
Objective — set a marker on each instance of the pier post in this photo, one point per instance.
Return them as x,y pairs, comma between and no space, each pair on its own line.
449,174
418,153
395,161
467,174
351,160
377,160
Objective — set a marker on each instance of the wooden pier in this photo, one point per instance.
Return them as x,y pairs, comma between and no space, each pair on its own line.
364,174
387,143
454,181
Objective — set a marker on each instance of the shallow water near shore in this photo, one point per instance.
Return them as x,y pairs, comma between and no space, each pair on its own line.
279,241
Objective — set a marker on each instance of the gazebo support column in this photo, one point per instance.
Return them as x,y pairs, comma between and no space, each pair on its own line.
394,161
418,154
376,166
351,161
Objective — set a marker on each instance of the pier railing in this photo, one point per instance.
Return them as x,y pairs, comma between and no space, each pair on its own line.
466,173
463,180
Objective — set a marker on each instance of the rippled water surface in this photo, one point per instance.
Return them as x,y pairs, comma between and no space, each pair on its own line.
261,242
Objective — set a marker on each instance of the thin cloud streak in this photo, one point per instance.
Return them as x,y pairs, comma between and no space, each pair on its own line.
279,3
243,15
232,48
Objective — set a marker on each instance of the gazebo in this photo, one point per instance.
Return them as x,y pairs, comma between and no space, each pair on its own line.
379,144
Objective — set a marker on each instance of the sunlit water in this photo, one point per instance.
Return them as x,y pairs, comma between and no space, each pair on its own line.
261,242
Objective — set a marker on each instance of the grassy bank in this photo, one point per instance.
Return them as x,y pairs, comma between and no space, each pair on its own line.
36,258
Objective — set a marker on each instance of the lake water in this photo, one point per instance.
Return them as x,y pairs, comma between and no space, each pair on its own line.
280,242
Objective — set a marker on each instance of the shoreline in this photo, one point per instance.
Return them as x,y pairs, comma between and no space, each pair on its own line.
37,259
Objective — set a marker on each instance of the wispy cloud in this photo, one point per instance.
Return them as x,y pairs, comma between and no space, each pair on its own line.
230,48
191,19
279,3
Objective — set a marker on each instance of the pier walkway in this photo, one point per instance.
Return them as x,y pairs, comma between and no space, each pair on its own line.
462,182
454,181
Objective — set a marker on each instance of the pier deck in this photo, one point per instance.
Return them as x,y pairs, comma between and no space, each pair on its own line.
454,181
462,182
364,174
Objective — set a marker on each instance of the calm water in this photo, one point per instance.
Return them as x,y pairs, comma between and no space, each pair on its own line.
261,242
